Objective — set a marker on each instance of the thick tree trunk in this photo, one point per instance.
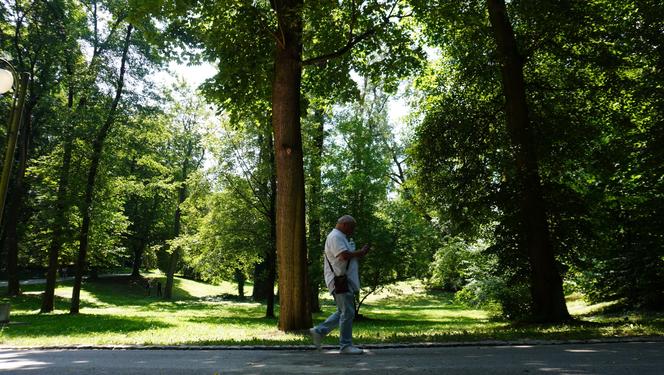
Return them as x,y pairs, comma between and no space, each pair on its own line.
546,284
291,243
86,208
313,205
170,273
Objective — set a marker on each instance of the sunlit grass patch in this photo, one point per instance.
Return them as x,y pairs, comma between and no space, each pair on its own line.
118,311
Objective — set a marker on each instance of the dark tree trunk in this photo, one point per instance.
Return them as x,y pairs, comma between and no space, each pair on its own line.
240,279
9,212
175,255
15,207
86,208
271,259
266,157
260,281
170,273
291,243
546,284
182,195
313,205
138,259
48,299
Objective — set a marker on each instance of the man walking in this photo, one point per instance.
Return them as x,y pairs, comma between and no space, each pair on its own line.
341,259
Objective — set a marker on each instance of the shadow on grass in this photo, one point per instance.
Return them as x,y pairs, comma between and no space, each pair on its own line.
76,325
129,291
32,300
248,322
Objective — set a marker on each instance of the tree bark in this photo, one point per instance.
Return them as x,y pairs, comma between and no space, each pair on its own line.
170,273
61,205
291,243
15,206
271,259
546,284
48,298
97,149
175,255
313,205
182,195
138,259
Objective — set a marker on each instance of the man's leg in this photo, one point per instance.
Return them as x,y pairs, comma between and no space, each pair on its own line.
330,323
346,307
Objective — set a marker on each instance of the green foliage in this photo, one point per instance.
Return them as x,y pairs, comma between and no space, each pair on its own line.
449,269
584,73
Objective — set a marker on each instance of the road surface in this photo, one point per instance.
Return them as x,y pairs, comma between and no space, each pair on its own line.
642,358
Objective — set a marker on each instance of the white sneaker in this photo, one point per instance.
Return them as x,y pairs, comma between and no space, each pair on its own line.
316,337
351,350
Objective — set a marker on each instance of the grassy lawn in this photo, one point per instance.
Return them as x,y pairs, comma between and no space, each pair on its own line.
117,311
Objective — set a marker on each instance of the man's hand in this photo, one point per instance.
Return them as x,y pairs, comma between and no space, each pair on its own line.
357,254
365,249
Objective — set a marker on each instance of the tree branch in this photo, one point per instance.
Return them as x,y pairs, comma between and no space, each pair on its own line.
323,59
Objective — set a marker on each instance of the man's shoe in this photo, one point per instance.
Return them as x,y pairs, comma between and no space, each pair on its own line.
351,350
316,337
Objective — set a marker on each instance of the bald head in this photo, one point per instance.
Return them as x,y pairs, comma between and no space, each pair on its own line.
346,224
346,219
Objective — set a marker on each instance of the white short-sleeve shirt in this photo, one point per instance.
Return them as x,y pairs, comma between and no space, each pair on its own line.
335,244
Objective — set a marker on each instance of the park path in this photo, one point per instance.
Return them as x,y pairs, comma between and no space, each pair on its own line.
642,358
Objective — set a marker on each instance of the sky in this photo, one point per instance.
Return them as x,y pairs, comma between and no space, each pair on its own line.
197,74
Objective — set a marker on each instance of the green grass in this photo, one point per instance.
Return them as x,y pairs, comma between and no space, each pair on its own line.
117,311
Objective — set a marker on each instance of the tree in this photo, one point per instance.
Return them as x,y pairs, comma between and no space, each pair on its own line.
42,34
546,284
188,117
274,69
95,158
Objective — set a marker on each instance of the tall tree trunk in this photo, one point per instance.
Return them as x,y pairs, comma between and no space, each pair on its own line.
138,258
313,205
97,149
175,255
291,243
266,161
15,205
182,195
271,259
48,298
546,284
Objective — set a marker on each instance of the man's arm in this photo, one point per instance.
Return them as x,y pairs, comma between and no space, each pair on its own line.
345,255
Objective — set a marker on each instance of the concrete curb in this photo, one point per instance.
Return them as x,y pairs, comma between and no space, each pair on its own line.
649,339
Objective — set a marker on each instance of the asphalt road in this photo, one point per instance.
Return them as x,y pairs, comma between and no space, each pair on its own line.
616,358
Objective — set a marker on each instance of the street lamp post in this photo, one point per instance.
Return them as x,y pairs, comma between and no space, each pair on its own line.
9,79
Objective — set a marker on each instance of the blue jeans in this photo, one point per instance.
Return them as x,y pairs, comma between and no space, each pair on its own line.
343,318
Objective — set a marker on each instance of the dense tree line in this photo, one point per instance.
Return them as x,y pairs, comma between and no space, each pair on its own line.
531,165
